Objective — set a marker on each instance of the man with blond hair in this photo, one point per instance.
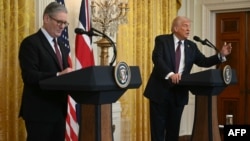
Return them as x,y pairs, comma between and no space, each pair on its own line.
174,56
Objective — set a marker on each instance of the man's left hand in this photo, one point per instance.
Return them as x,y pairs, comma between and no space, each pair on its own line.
226,49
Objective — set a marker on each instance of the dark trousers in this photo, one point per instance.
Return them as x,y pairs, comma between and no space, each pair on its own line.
165,121
45,131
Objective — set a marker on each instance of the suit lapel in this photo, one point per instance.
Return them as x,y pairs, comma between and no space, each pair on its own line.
47,46
172,49
188,52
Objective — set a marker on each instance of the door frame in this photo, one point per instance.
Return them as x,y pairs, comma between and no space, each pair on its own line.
209,12
209,15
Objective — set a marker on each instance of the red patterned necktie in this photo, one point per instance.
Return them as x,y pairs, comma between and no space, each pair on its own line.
177,57
58,54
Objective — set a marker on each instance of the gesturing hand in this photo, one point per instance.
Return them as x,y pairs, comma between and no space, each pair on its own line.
226,49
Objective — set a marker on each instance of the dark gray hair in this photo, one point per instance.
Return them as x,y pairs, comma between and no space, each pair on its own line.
53,8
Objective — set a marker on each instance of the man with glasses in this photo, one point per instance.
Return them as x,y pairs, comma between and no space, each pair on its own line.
42,56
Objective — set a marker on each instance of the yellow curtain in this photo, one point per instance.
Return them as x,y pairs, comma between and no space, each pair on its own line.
135,42
17,21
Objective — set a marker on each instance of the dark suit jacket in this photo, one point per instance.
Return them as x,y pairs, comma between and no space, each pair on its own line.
38,61
158,88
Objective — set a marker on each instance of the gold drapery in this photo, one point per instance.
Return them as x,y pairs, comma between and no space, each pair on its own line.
147,18
17,21
135,42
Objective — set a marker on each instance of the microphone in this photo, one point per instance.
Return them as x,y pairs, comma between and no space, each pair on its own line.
198,39
91,33
205,42
81,31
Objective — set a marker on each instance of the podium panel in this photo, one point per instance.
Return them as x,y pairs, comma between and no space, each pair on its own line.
208,82
206,85
95,89
92,85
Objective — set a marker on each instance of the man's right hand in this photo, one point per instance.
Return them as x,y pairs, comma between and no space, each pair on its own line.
175,78
67,70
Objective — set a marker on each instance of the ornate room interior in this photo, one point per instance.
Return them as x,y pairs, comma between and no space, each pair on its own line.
134,41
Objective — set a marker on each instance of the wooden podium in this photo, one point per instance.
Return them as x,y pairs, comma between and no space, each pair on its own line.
206,85
95,89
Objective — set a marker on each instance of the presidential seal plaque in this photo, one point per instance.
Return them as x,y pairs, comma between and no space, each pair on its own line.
227,74
122,74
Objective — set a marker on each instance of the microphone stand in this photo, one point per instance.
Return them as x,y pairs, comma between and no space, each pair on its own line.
208,43
112,44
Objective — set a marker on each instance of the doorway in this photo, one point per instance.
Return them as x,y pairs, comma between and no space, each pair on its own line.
235,99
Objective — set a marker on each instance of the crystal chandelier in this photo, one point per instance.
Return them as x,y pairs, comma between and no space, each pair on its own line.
108,14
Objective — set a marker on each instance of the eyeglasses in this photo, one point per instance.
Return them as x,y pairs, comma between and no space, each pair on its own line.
60,23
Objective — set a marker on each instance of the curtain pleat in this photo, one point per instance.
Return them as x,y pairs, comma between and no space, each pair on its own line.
135,42
17,21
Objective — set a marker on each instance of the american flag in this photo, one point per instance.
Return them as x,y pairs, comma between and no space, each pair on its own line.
84,51
72,127
65,37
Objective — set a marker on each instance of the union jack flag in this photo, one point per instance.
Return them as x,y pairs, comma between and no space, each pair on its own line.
84,51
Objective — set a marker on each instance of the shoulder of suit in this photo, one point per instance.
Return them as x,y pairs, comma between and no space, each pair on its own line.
31,38
164,36
189,42
35,35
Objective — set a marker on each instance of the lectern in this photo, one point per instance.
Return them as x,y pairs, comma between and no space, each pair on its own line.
94,85
206,85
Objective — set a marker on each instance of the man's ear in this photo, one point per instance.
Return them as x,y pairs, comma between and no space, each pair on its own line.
175,29
46,18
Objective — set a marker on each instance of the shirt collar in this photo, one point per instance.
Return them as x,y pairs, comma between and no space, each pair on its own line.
176,40
46,34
